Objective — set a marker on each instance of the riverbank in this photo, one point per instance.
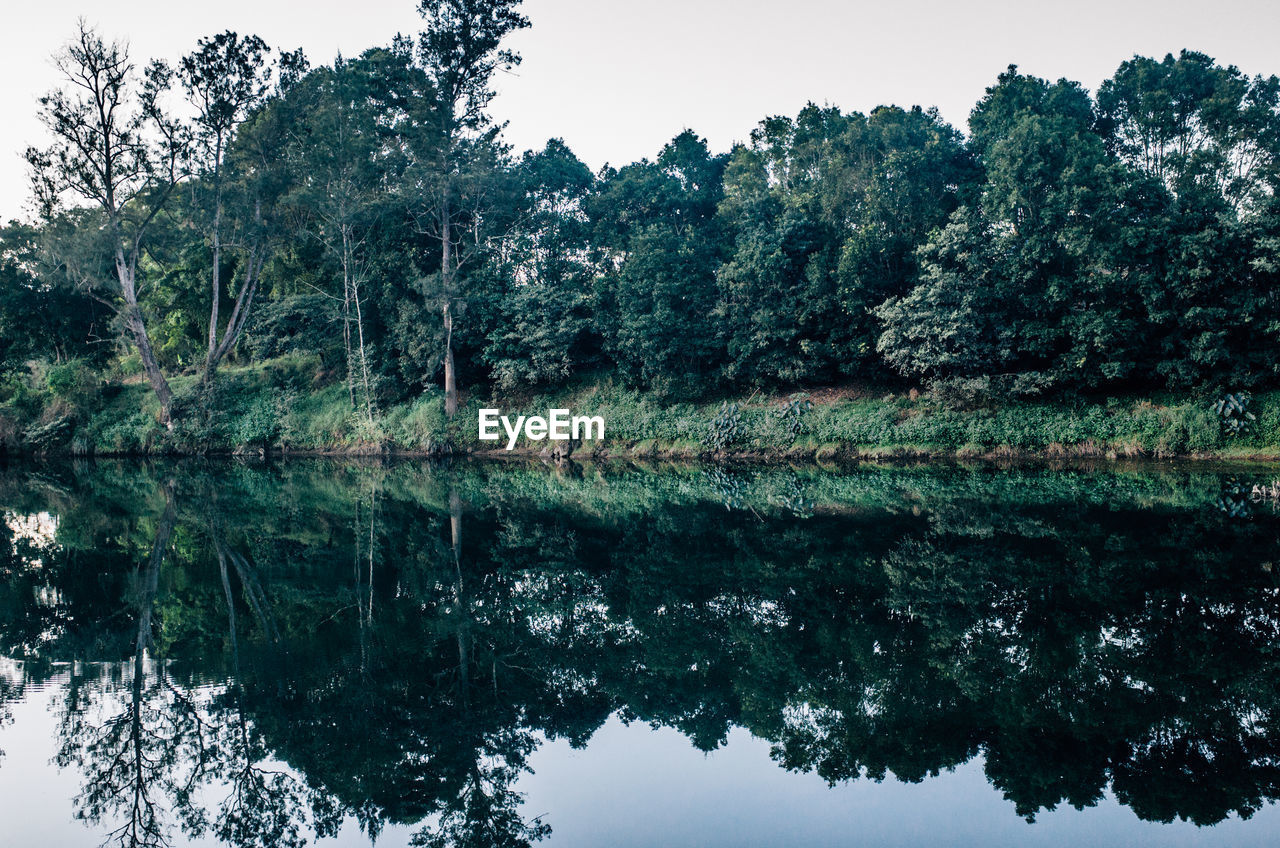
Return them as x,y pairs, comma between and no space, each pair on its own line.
284,407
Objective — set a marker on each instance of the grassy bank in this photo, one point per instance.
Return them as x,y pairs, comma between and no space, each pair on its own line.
287,406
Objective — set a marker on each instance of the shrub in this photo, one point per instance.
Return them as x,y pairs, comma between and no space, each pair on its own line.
1234,415
420,425
260,423
132,434
961,393
71,381
127,365
726,428
792,412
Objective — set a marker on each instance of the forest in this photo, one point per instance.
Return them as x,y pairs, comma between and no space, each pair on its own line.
242,248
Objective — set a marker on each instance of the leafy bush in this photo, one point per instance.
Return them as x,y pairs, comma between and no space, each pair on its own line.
1234,415
72,381
127,365
420,425
132,434
18,398
726,428
792,412
961,392
260,424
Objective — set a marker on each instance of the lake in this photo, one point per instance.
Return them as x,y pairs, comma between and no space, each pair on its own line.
501,654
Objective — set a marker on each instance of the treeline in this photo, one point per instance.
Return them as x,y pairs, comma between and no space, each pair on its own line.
241,205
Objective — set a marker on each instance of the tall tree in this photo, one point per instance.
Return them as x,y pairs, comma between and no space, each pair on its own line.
225,78
340,192
661,244
827,209
456,144
1017,285
1204,141
1196,127
116,149
542,325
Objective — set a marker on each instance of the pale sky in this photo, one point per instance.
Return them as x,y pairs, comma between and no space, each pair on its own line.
617,79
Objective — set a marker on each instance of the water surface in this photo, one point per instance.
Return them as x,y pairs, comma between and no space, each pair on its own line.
497,654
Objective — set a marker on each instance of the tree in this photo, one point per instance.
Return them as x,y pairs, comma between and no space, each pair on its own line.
116,149
225,79
1196,127
340,194
1204,142
39,316
827,209
661,243
542,328
455,144
952,324
1019,286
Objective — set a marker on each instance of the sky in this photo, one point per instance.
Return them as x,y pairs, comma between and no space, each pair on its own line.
616,79
633,786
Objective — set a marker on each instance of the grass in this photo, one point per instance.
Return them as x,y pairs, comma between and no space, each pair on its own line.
889,425
282,405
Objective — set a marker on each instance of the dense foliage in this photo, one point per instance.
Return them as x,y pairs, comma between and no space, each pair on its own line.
367,214
402,638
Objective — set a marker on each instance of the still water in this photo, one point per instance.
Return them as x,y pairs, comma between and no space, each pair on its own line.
500,655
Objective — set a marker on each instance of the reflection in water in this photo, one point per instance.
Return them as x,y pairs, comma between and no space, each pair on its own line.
258,654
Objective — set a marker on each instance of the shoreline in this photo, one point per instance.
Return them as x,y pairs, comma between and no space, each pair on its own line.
830,454
269,409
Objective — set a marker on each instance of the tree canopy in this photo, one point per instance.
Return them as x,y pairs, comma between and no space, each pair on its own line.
368,212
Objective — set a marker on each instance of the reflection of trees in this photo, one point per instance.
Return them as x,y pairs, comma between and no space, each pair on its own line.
156,750
484,810
262,805
1079,640
146,756
486,813
12,559
10,691
432,723
261,802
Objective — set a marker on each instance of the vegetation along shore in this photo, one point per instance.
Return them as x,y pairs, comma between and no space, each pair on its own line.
274,408
242,251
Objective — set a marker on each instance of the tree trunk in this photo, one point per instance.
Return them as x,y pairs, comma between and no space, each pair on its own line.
346,339
351,283
253,263
137,328
231,611
447,273
373,511
450,377
151,367
151,580
364,358
215,293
